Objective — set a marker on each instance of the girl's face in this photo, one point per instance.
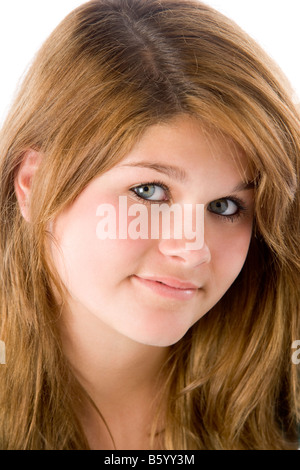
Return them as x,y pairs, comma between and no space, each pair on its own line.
153,290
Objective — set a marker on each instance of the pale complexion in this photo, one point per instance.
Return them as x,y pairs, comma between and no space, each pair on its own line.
116,327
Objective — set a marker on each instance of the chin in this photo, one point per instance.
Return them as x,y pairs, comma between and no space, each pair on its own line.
162,339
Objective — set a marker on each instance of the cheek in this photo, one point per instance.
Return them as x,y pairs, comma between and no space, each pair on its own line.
230,248
83,259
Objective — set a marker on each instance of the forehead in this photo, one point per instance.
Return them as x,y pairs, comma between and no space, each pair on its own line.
186,145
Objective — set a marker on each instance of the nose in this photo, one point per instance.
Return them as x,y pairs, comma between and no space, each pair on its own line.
177,249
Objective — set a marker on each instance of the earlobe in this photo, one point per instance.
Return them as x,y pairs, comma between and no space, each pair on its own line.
23,180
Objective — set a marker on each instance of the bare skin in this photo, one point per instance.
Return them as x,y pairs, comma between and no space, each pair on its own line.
122,381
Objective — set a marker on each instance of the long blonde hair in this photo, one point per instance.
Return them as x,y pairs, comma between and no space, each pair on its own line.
110,70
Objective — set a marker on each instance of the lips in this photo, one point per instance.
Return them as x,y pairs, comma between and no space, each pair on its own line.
172,288
171,282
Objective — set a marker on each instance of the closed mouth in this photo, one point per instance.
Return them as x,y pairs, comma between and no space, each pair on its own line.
171,282
172,288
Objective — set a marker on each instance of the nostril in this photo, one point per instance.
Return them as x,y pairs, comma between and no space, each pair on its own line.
177,249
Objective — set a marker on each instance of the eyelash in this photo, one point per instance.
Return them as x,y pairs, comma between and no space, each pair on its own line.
242,210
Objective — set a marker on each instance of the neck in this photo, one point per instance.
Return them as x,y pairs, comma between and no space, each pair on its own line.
120,375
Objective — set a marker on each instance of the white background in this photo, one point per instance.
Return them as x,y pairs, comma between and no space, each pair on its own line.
25,24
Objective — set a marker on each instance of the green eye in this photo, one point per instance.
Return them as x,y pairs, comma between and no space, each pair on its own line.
151,192
146,191
228,208
220,206
223,207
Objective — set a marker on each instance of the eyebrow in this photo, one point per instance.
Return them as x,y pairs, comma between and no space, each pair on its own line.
169,170
180,174
243,186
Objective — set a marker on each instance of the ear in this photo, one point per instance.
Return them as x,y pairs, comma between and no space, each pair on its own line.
23,180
